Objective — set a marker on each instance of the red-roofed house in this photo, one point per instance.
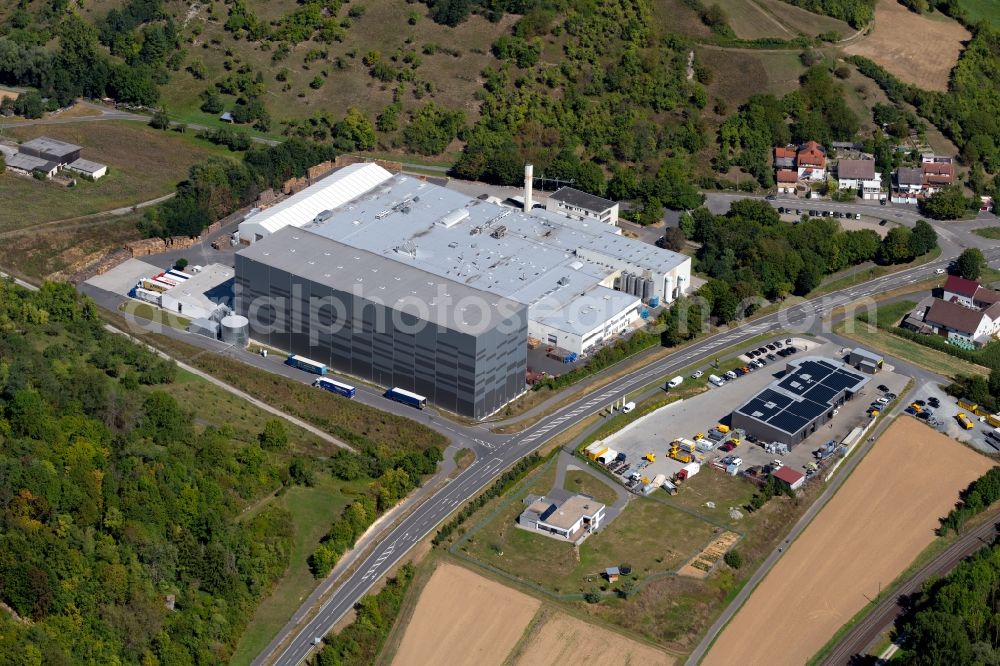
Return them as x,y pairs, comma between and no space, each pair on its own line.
784,158
789,477
964,326
811,161
937,175
786,178
959,290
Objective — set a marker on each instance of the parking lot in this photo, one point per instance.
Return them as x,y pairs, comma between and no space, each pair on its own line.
943,418
698,415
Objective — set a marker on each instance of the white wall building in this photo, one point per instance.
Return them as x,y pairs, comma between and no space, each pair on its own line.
582,206
860,176
312,203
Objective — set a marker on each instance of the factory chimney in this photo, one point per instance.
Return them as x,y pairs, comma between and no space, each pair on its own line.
529,203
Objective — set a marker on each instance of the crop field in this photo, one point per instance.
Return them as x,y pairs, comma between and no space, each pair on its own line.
740,74
881,519
982,10
143,164
803,21
900,42
561,639
462,618
750,20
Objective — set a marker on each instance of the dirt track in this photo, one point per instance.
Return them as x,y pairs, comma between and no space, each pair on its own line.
881,519
462,618
917,49
565,640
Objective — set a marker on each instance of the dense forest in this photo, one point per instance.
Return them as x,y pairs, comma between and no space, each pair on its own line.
120,541
954,619
858,13
750,253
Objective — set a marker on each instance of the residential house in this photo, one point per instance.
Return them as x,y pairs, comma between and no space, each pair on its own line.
969,293
859,175
961,325
908,182
784,158
572,519
810,161
937,175
786,179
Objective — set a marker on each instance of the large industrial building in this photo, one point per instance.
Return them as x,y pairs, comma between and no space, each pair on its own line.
402,245
792,407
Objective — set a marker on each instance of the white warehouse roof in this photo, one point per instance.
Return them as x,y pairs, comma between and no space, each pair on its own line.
303,207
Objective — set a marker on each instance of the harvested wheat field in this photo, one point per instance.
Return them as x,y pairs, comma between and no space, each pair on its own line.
462,618
900,43
878,522
565,640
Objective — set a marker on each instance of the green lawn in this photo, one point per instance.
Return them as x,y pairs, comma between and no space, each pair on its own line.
582,482
982,10
925,357
649,535
993,233
313,511
143,164
711,486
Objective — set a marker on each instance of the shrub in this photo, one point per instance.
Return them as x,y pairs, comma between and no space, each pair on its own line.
733,558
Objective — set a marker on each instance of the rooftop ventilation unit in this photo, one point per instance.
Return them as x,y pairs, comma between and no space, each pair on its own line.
454,217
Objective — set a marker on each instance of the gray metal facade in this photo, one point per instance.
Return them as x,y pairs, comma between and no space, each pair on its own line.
471,375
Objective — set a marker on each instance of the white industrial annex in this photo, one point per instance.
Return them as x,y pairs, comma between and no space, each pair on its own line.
582,281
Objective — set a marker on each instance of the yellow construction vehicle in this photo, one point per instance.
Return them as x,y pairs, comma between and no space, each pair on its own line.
722,428
651,457
964,420
678,453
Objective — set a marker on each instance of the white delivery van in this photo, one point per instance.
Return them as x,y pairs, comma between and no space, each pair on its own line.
715,379
675,382
628,407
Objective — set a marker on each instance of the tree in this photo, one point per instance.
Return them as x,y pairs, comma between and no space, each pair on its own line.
160,120
895,247
181,264
274,436
733,558
923,239
354,132
673,239
211,103
946,204
970,264
432,128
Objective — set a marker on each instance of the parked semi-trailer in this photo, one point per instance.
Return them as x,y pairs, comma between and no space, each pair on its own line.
406,397
332,386
303,363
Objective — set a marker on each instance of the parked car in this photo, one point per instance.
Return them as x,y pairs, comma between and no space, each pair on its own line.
922,403
883,388
788,341
939,271
857,216
772,357
934,402
883,223
731,375
771,346
696,374
761,350
777,343
770,197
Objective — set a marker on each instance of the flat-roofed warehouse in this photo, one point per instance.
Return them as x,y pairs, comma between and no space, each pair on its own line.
564,269
392,324
792,407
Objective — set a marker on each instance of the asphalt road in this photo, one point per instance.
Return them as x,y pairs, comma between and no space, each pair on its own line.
861,637
495,454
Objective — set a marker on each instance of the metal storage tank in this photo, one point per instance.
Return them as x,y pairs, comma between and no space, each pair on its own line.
629,284
236,330
647,289
637,286
618,283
